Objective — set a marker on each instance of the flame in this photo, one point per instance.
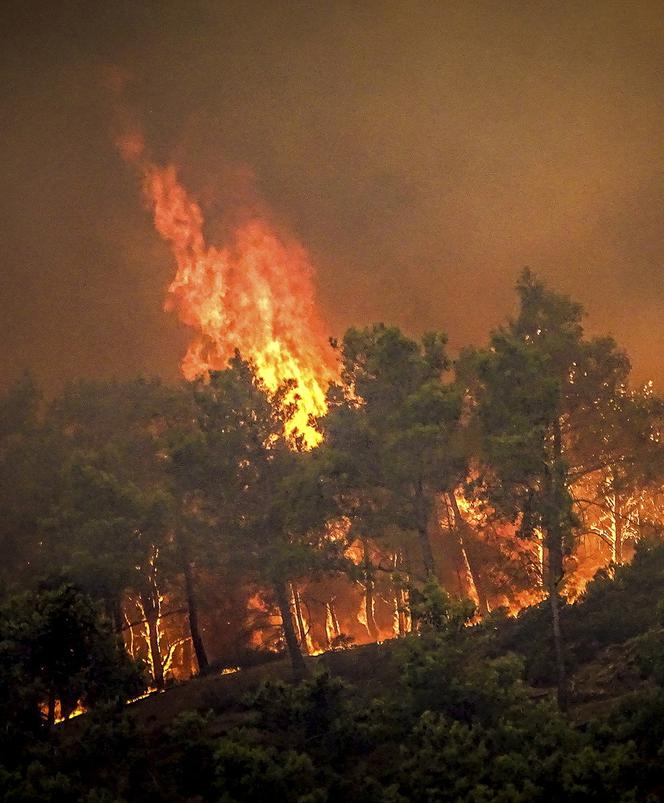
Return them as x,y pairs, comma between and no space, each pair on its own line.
59,718
230,670
254,294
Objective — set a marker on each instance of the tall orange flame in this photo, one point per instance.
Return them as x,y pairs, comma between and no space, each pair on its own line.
255,294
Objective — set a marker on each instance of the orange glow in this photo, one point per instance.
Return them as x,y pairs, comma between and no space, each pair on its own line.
254,294
58,712
332,631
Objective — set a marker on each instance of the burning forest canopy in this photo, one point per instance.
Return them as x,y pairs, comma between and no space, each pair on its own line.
479,525
213,529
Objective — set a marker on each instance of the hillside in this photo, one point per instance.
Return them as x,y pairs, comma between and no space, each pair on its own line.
458,714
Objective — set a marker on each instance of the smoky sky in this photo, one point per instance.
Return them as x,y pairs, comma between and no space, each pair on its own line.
422,152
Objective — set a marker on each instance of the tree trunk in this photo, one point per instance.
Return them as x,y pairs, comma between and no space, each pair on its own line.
281,593
332,629
400,615
151,610
555,560
616,529
556,570
422,524
466,545
149,601
114,613
50,720
405,622
404,562
540,559
192,601
299,618
372,628
192,608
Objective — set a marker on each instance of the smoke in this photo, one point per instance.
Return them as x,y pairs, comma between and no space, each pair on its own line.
422,157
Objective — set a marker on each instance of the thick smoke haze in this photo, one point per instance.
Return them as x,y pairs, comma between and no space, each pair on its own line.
422,152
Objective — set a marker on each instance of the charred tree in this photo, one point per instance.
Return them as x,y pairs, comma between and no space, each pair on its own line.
422,517
191,597
50,711
152,616
332,629
555,527
192,611
466,538
115,614
616,525
299,618
369,585
290,636
150,604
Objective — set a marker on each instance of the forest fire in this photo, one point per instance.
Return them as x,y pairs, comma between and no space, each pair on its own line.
254,295
414,552
212,545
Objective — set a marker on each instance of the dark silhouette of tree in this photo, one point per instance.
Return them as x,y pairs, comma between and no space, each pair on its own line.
544,399
55,648
392,436
246,482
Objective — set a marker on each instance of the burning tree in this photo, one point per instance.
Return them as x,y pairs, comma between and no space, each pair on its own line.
621,493
391,432
261,503
549,406
56,653
254,294
113,525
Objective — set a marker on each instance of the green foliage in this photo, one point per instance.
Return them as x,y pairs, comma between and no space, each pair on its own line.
455,727
260,503
304,711
435,610
440,677
189,764
392,433
253,774
118,485
261,500
650,655
531,755
545,400
615,607
54,647
29,487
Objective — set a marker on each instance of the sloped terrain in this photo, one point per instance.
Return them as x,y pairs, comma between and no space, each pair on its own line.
459,714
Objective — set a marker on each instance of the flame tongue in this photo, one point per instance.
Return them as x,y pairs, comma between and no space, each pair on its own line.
256,295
